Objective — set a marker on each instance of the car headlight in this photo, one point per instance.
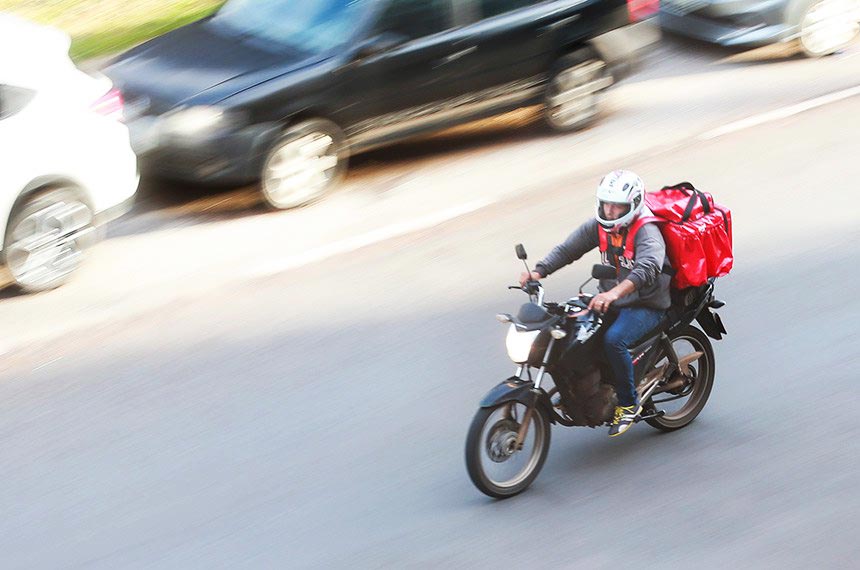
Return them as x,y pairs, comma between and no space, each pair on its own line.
198,121
520,344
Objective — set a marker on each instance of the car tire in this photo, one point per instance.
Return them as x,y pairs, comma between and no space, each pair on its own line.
46,239
573,93
304,164
825,27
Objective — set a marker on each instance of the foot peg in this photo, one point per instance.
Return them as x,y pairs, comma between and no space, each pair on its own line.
657,414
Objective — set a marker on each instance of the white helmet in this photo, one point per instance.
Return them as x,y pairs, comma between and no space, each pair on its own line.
620,187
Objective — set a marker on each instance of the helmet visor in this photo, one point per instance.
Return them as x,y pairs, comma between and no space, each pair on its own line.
611,211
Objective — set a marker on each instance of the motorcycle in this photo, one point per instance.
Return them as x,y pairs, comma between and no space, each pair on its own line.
508,439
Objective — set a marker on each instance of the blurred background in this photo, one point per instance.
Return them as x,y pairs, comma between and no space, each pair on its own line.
104,27
252,264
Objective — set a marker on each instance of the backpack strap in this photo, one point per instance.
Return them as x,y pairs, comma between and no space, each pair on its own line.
685,187
694,194
613,245
630,238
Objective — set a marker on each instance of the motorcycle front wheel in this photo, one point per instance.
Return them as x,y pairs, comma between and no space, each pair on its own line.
495,465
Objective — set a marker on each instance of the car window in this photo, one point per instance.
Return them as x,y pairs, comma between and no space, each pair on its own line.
416,18
306,25
491,8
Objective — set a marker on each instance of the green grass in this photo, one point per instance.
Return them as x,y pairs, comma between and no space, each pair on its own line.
105,27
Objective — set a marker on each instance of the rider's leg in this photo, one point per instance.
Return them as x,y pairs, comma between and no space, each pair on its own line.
631,325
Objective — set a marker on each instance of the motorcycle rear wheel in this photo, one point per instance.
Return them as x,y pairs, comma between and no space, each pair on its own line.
490,449
703,369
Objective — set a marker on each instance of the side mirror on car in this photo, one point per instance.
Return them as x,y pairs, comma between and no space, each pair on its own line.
600,271
378,44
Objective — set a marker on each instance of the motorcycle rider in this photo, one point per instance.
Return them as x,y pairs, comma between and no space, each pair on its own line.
641,289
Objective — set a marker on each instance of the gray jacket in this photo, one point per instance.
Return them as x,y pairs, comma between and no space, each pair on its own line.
651,271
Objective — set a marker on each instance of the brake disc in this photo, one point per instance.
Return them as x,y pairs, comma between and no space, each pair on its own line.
502,440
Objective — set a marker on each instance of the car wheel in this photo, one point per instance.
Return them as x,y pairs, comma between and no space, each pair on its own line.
46,239
304,164
826,26
573,93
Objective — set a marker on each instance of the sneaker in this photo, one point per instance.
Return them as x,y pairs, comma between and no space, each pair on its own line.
625,416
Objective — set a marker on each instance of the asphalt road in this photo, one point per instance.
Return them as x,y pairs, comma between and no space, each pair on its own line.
317,418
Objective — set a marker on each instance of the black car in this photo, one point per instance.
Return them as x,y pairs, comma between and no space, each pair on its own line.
285,91
821,26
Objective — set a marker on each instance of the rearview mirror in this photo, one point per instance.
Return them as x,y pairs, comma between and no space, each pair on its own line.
521,252
600,271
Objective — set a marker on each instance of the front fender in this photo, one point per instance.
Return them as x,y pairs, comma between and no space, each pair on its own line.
511,390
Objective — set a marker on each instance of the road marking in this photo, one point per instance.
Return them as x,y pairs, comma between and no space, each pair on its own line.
363,240
48,363
778,114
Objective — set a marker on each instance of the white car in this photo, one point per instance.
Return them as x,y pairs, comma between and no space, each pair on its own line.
66,164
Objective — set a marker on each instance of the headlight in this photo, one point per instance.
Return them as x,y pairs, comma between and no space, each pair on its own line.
520,344
197,121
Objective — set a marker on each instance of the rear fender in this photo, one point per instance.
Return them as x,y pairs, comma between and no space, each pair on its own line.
711,323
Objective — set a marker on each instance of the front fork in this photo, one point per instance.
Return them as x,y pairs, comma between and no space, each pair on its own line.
524,426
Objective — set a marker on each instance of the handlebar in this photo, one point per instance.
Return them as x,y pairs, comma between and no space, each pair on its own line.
534,290
581,301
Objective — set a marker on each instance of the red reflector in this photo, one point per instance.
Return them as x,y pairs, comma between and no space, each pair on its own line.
110,105
641,9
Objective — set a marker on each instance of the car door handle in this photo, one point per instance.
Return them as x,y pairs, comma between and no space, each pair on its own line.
457,55
558,25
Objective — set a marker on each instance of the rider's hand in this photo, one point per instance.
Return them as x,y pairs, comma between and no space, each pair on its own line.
602,301
533,276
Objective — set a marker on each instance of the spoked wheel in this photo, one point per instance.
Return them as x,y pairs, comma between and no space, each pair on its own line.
47,238
826,26
682,405
495,465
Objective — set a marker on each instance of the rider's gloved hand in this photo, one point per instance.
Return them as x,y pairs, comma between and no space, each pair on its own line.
533,276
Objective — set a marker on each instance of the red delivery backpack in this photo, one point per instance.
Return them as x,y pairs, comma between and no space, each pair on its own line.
697,231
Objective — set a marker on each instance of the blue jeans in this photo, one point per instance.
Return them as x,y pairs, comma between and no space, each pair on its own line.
631,325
